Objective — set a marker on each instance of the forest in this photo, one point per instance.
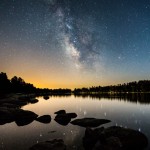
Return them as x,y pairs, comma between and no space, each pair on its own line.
18,85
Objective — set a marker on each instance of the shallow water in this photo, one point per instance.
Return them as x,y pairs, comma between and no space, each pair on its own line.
122,112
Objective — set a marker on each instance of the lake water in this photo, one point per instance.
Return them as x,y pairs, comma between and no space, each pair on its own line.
130,112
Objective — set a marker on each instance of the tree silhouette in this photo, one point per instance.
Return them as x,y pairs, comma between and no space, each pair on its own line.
4,82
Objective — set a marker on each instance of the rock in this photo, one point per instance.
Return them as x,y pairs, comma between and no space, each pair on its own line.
91,137
33,100
9,105
56,144
19,102
130,139
25,98
24,117
64,118
114,138
89,122
44,119
46,97
71,115
60,112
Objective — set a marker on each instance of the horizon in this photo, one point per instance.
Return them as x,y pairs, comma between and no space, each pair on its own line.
117,84
70,44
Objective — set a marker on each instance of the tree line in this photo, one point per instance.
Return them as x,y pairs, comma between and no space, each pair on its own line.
17,84
142,86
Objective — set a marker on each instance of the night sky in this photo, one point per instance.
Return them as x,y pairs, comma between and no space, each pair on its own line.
75,43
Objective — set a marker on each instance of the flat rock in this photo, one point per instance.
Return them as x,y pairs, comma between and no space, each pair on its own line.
44,119
89,122
56,144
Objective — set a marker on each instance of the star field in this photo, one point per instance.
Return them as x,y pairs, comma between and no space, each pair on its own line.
73,43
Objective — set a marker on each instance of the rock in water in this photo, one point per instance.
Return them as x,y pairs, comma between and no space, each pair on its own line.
46,97
44,119
129,138
64,118
24,117
56,144
114,138
71,115
60,112
89,122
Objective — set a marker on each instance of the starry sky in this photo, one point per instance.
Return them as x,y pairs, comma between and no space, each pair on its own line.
75,43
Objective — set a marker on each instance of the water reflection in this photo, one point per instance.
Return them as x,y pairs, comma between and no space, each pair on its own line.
142,98
125,110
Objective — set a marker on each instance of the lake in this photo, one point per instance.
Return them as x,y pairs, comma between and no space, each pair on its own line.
128,111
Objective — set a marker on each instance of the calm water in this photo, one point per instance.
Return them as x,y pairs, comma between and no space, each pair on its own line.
123,112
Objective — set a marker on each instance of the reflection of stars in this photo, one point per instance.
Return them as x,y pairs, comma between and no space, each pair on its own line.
85,112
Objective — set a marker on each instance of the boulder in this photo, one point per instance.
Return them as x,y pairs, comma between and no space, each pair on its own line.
71,115
89,122
33,100
24,117
60,112
129,138
44,119
114,138
64,118
56,144
46,97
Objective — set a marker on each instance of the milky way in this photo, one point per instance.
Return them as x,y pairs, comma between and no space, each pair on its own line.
77,36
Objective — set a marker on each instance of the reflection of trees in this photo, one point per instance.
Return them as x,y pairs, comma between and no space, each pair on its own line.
143,98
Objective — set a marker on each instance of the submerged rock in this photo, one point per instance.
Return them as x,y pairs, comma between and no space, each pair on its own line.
56,144
114,138
44,119
89,122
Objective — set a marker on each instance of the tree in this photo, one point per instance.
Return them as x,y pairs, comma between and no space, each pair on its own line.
4,82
